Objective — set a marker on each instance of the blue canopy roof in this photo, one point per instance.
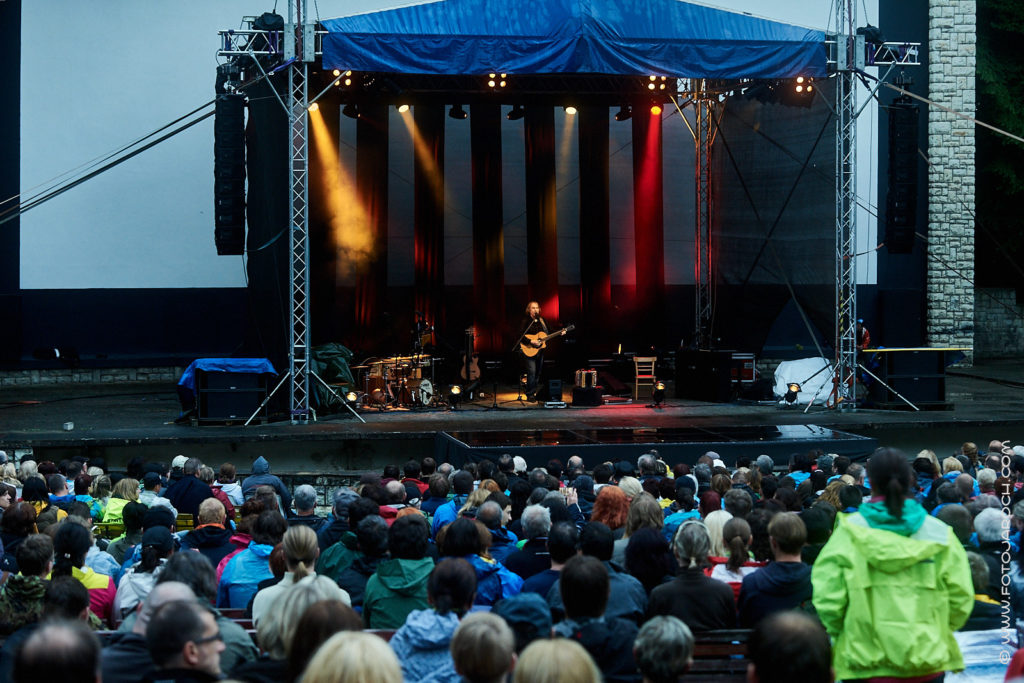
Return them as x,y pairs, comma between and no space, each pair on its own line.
623,37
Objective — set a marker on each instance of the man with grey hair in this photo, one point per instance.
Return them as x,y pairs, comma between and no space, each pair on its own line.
331,533
738,503
663,649
503,541
824,463
446,469
989,525
702,473
648,466
987,481
188,493
533,557
304,500
765,464
856,472
126,656
58,651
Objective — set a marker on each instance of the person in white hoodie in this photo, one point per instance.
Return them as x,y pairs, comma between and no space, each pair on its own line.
138,580
227,482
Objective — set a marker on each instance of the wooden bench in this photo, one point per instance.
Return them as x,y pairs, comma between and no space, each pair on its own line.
108,530
719,656
185,522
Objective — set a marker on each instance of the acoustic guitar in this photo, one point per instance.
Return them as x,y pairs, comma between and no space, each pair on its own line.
529,350
470,364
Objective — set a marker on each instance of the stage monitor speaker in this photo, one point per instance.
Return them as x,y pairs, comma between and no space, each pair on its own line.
551,390
229,174
901,202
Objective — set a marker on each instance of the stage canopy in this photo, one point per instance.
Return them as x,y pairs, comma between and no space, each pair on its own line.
621,37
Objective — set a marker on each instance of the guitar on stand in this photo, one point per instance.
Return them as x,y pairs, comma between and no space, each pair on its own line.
470,367
529,350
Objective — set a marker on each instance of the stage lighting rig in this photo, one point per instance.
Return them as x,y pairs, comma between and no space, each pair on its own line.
457,112
791,394
625,113
517,113
658,394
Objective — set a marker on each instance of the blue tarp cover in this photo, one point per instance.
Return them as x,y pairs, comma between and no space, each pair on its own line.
624,37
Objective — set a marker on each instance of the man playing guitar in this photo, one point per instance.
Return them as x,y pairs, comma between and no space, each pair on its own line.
531,365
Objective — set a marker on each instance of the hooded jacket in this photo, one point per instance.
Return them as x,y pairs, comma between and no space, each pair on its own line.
447,513
396,589
493,581
212,540
891,592
233,490
261,476
353,580
243,574
778,587
21,602
421,645
609,642
338,557
503,544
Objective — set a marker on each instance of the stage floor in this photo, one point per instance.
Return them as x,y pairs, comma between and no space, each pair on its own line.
118,421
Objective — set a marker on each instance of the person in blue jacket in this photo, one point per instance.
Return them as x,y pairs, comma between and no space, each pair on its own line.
245,570
261,476
469,539
462,485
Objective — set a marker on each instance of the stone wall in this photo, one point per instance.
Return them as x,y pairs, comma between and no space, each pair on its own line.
89,376
951,58
999,321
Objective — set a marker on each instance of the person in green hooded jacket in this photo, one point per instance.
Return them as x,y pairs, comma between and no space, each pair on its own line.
399,586
892,584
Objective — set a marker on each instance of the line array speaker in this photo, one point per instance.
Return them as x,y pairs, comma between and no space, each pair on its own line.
229,174
901,204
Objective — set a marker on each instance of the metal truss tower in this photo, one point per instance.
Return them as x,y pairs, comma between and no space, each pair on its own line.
844,390
704,103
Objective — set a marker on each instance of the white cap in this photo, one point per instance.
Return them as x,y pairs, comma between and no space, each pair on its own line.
519,463
718,463
179,462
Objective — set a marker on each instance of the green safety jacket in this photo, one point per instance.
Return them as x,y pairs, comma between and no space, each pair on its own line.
891,592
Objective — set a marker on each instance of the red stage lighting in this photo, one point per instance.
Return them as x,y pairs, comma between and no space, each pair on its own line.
655,110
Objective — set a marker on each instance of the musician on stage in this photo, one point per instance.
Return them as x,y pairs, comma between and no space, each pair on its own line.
531,365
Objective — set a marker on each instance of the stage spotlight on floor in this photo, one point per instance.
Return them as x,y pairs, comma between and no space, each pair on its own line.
790,396
454,395
402,108
351,396
658,394
351,110
655,110
624,114
457,112
517,113
570,110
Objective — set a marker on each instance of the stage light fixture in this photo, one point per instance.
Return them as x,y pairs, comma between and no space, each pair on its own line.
351,110
337,72
402,108
624,113
454,390
650,86
655,110
348,82
791,394
351,396
658,394
314,107
457,112
570,110
517,113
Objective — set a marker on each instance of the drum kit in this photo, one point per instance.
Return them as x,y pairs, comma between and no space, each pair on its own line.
399,381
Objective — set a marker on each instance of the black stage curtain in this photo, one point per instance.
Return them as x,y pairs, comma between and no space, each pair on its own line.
324,297
488,244
372,191
541,209
428,212
595,246
648,223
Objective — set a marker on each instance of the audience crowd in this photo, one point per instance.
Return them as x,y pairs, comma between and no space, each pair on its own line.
829,569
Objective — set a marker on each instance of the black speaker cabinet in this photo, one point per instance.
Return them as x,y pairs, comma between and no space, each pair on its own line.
919,375
587,396
229,396
550,390
704,375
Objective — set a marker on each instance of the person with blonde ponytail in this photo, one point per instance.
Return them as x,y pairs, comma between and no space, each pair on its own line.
892,584
300,553
698,601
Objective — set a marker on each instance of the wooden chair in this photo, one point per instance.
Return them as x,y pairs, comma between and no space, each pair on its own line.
644,374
